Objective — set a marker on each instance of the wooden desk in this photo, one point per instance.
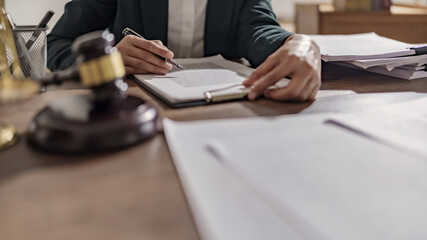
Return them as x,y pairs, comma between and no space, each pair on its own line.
136,193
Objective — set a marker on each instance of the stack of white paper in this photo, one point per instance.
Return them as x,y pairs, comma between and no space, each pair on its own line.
373,53
297,178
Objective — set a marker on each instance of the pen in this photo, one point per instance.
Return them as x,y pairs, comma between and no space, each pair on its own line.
128,31
41,24
419,50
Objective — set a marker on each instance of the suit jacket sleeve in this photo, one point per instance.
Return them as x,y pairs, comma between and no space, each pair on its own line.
80,17
259,32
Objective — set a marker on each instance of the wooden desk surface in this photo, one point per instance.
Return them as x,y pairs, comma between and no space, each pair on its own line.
136,193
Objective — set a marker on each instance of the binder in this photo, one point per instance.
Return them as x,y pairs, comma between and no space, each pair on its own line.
205,81
209,96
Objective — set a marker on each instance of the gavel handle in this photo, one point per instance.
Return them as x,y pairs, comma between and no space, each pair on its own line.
71,74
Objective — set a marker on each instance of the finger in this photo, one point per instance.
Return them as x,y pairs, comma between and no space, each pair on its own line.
307,91
305,88
310,90
268,80
262,70
130,50
151,58
143,65
301,81
146,56
313,94
298,90
132,70
152,47
159,42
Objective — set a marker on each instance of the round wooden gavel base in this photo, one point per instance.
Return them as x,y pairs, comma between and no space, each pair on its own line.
76,125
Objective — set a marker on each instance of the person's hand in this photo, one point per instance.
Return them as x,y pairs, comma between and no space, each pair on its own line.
298,59
139,55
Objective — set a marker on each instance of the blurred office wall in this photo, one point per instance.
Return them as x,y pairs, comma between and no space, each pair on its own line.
285,9
30,12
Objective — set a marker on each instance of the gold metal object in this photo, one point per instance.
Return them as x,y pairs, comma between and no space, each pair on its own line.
8,136
14,90
102,70
210,96
7,42
11,89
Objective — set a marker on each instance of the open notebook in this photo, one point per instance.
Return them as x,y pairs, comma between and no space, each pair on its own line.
207,80
204,80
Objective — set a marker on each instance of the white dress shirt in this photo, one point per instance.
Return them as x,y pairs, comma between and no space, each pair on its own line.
186,28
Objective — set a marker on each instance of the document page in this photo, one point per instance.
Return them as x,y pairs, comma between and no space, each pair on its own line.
402,126
403,73
320,181
204,74
223,207
339,184
391,63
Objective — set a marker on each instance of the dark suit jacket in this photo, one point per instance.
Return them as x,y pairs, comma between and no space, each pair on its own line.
233,28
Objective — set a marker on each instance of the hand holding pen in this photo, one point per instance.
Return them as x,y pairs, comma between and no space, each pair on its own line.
141,56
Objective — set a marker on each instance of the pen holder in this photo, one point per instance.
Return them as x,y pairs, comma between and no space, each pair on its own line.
32,52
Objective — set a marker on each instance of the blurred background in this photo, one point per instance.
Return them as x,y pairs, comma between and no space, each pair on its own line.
294,15
29,12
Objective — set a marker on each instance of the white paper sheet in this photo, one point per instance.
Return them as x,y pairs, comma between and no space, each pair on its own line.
319,181
412,67
403,125
395,72
391,63
400,73
223,207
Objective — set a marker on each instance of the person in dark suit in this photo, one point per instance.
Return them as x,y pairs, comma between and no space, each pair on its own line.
196,28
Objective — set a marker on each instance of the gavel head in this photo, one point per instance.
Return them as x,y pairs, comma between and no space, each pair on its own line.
100,66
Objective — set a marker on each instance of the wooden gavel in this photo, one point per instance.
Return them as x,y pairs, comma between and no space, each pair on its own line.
104,120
